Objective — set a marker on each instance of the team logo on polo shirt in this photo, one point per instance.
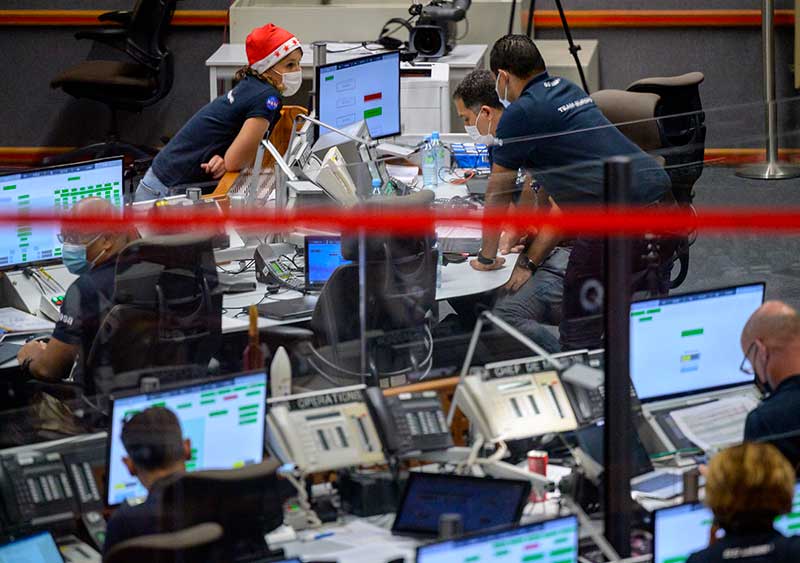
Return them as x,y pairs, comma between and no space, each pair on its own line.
273,102
551,83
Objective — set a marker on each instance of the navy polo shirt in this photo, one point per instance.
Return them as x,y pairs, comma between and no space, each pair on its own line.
778,414
757,547
567,141
212,130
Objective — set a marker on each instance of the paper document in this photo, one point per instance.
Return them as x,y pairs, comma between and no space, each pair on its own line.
14,320
406,174
715,425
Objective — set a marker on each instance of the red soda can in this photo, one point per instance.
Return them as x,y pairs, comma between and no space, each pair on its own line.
537,463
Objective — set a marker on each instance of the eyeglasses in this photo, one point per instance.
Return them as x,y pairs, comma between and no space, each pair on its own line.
77,238
746,367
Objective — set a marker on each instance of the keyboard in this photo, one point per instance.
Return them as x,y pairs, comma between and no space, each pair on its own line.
658,482
266,183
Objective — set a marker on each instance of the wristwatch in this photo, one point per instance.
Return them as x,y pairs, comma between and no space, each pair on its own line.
484,260
523,261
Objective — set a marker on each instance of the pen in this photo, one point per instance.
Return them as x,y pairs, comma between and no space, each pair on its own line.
51,278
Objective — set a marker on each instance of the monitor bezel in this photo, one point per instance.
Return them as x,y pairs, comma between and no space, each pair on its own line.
57,260
112,399
417,475
364,58
659,398
315,286
499,530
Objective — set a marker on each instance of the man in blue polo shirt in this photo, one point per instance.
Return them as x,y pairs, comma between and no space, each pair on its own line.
552,128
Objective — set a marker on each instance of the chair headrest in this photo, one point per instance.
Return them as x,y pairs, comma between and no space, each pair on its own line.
620,106
247,473
195,536
688,79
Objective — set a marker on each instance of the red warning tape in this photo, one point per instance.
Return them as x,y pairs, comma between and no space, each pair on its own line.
585,221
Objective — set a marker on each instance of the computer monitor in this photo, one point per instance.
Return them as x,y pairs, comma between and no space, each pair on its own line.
679,531
366,88
223,418
40,548
553,540
689,343
483,504
323,256
48,190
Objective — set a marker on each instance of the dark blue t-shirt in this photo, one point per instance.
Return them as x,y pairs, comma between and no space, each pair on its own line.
571,140
212,130
86,303
778,414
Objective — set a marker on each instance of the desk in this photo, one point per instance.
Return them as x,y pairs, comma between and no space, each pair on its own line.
230,57
458,280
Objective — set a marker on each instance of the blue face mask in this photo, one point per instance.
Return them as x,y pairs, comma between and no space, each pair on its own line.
74,257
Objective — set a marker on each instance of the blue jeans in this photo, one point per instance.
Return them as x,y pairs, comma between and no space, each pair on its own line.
538,302
150,187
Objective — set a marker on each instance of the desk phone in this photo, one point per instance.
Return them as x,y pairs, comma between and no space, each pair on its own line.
409,423
516,407
52,486
323,431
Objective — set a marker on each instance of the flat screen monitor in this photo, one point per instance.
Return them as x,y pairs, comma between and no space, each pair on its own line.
689,343
38,548
550,541
366,88
224,419
323,256
482,503
679,531
47,190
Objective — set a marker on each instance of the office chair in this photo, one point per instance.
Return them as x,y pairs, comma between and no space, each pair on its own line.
123,85
167,310
664,117
198,544
401,301
247,503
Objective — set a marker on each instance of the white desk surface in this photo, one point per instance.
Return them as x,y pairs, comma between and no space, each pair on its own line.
458,280
233,55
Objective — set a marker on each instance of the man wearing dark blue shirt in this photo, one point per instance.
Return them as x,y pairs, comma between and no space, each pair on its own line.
771,344
553,129
157,454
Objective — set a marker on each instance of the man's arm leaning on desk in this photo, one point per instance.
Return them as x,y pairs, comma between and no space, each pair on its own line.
499,194
50,361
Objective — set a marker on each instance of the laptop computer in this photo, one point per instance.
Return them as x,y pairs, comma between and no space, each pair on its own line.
288,309
550,540
685,351
647,481
482,503
38,548
323,255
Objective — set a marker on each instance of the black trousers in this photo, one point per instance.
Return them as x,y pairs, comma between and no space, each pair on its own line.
584,290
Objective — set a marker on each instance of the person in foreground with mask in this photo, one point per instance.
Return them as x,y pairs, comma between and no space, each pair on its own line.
771,346
91,256
224,135
529,300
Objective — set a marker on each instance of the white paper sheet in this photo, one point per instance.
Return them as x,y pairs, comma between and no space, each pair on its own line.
14,320
715,425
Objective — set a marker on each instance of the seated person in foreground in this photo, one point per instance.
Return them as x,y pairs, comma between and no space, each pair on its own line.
747,487
92,256
157,453
771,345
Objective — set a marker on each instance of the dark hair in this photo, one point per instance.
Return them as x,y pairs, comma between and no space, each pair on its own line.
518,55
477,89
153,438
250,71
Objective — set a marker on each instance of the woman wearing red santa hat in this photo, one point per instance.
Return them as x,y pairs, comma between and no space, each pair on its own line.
224,135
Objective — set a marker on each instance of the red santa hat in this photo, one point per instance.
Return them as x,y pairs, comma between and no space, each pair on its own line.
267,45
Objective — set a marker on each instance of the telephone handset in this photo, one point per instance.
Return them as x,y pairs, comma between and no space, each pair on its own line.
323,431
585,387
269,269
516,407
409,423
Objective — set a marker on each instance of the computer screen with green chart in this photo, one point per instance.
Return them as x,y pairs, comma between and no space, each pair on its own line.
224,419
50,190
689,343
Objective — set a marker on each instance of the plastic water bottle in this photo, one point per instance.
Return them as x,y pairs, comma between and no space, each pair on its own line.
430,167
376,187
439,152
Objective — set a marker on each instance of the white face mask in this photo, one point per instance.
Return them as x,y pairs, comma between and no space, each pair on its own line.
475,133
291,82
504,96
